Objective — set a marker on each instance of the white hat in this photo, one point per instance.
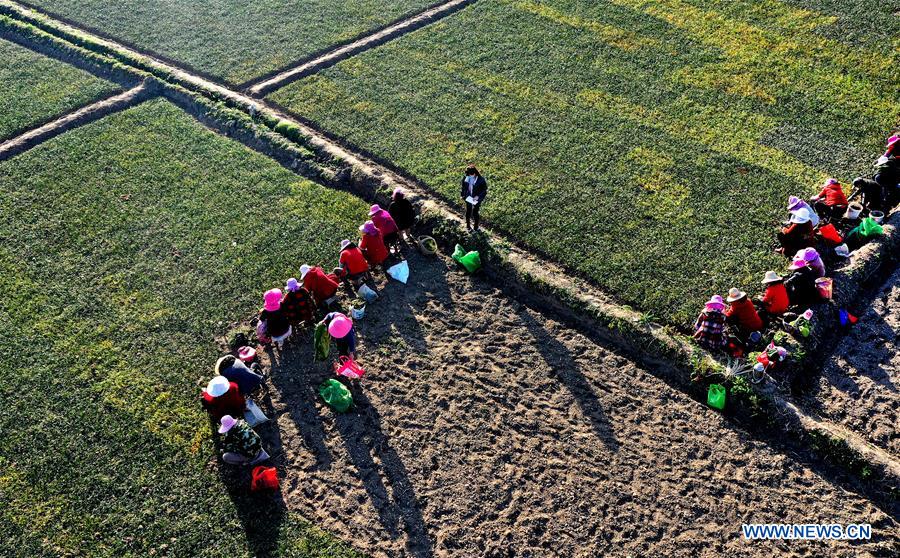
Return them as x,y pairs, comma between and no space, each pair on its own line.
735,294
226,423
771,277
800,216
345,243
217,386
304,269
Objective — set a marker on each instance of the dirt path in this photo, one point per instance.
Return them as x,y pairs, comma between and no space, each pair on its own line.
859,387
372,40
485,429
74,119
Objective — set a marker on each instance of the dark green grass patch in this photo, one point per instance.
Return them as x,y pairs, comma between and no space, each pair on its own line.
650,145
129,244
233,40
35,89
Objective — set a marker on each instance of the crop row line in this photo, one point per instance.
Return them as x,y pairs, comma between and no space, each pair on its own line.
537,281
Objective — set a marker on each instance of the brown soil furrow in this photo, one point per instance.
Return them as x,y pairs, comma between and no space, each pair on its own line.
76,118
372,40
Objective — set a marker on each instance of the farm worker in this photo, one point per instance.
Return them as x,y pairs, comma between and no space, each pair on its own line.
709,329
297,304
322,287
235,371
388,227
276,323
801,286
798,234
403,213
372,244
809,257
870,192
742,314
353,262
887,173
893,146
473,190
831,201
795,204
341,329
240,444
222,397
775,299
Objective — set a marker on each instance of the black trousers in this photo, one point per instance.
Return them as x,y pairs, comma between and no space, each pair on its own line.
472,213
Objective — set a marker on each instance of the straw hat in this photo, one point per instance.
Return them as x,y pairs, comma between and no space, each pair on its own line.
218,386
304,269
272,300
374,209
345,243
735,294
771,277
226,423
800,216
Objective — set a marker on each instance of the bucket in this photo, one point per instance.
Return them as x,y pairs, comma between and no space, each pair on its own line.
427,245
877,216
853,211
825,286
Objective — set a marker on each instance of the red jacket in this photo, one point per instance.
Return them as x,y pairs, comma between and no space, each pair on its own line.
775,299
353,261
373,248
744,314
832,195
229,403
384,222
321,286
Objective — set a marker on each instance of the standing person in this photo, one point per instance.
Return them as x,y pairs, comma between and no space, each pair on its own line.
387,226
274,318
403,213
709,329
323,287
372,244
473,190
297,304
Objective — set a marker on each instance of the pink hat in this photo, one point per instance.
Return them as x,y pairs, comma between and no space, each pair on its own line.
374,209
340,326
398,193
246,354
292,284
715,302
272,300
369,228
345,243
226,423
808,254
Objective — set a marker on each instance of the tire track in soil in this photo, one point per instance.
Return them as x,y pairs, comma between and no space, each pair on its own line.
74,119
483,428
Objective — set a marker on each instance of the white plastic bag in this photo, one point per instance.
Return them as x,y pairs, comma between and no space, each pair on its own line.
254,415
366,293
358,313
400,272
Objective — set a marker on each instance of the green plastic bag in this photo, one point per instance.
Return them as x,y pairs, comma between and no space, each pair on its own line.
471,261
868,228
336,395
322,342
715,397
458,253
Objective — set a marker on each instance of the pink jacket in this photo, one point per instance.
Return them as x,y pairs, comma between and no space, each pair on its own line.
384,222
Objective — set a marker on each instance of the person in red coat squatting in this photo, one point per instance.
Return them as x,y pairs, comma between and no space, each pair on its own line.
775,300
222,397
354,263
388,227
742,314
322,287
372,244
799,234
831,201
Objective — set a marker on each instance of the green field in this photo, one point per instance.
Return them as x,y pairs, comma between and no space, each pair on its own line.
129,244
35,89
649,145
233,40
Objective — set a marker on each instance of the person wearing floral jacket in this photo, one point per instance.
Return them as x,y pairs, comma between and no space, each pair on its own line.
709,329
240,444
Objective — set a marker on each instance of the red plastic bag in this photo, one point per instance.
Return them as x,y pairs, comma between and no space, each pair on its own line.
830,234
348,368
264,478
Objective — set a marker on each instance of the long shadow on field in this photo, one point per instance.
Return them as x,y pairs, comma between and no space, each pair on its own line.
560,360
261,514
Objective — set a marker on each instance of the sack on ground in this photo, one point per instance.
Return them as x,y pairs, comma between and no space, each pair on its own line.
366,293
336,395
400,271
471,261
264,478
261,334
358,313
458,253
715,397
869,228
322,342
348,368
830,235
254,415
